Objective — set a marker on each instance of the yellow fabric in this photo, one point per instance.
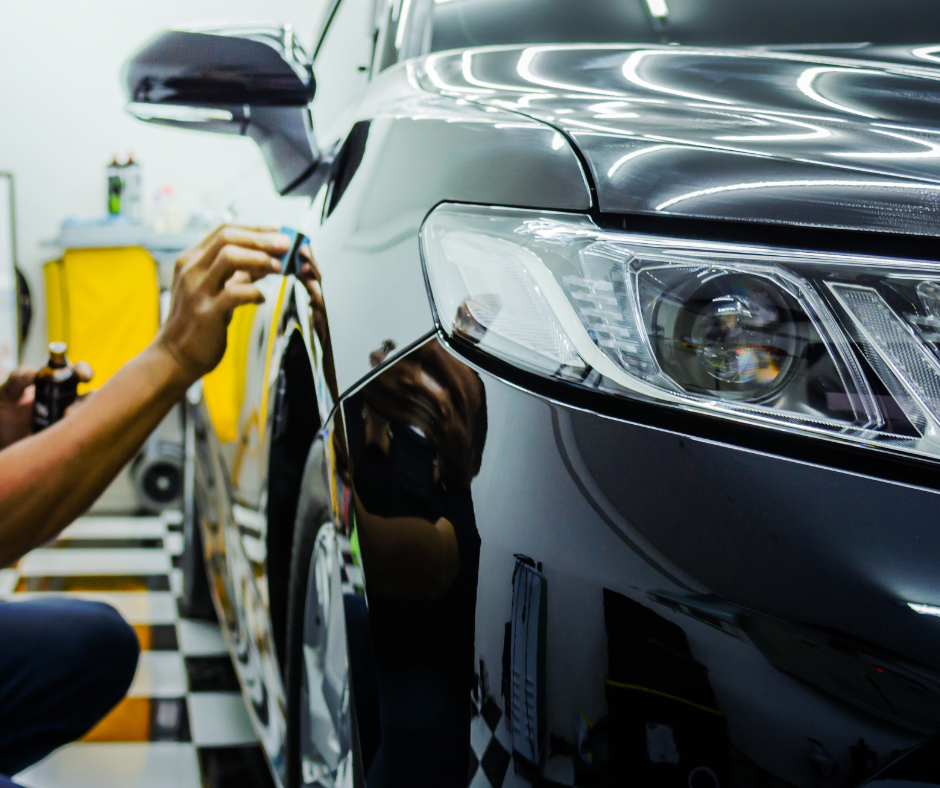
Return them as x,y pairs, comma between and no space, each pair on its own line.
224,387
55,319
110,306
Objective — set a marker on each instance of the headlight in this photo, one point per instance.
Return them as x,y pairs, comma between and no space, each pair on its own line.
842,346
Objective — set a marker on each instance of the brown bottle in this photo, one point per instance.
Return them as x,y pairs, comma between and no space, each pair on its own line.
56,388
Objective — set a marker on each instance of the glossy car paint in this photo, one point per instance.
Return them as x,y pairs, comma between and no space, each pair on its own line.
365,239
798,138
420,150
770,576
784,576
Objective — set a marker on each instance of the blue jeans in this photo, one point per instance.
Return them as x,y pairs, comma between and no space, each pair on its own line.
64,664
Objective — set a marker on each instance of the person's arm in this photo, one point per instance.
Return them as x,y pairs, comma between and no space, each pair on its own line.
49,479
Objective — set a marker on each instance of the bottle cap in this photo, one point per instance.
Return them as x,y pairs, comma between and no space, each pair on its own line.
57,352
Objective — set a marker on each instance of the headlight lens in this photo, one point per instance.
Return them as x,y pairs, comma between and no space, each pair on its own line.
835,345
728,336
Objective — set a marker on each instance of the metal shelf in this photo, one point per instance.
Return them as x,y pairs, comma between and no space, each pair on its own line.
98,236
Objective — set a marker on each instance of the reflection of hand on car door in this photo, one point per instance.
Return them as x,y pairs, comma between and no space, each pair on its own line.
441,396
430,390
309,276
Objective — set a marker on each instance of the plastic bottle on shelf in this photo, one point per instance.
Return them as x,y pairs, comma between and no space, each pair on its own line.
168,216
132,200
115,188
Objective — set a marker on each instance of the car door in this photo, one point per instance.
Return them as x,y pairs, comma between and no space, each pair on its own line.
243,396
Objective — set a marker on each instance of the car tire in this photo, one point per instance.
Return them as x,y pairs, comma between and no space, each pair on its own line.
195,599
322,748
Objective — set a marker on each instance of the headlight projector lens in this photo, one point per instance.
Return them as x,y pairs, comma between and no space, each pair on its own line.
731,335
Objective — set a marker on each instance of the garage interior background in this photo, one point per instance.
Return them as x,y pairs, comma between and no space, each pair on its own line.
64,119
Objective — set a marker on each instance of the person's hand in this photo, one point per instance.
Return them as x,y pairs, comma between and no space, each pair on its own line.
210,281
85,374
16,402
16,406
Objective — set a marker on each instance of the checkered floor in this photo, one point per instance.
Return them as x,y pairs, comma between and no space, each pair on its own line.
491,765
183,722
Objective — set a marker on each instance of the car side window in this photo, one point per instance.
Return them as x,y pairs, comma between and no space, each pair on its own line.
387,52
406,32
341,64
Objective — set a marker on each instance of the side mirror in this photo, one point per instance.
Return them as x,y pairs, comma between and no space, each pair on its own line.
254,80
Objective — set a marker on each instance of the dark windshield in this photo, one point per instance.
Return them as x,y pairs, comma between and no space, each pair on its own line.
466,23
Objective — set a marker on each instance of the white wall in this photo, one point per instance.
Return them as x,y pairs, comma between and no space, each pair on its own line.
62,119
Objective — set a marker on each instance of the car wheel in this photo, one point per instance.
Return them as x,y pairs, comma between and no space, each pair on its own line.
321,725
195,599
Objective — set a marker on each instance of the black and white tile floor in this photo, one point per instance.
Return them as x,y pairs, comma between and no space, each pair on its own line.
491,765
183,722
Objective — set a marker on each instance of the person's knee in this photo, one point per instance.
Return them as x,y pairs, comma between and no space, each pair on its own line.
74,660
121,649
101,643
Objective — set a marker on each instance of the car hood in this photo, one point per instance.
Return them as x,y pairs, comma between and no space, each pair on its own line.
843,138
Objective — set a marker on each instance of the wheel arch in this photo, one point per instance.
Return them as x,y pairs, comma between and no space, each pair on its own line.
295,422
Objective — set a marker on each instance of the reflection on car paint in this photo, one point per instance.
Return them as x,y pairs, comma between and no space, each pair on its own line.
514,591
416,435
626,669
745,134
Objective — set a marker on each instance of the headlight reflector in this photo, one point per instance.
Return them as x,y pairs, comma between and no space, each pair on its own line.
732,337
724,335
836,345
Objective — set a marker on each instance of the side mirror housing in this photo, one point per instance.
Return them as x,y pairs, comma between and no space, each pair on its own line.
253,80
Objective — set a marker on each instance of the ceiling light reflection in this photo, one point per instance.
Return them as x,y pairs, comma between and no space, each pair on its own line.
524,101
734,187
932,152
815,133
630,71
806,79
466,70
927,53
926,610
633,155
912,129
176,112
402,24
595,127
526,61
430,68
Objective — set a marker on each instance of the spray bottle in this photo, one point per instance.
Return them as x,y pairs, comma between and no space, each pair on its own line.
133,205
115,188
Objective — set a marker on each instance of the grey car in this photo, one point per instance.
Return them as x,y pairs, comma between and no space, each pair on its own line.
600,447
